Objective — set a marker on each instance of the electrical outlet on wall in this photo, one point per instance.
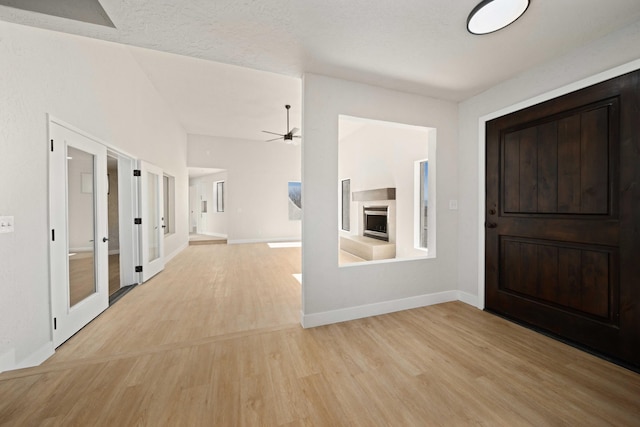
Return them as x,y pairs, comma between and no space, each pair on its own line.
6,224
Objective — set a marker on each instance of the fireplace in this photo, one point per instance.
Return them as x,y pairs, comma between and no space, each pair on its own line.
376,224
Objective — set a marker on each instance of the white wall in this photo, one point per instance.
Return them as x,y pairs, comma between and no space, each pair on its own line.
560,76
332,293
214,222
382,155
256,187
97,87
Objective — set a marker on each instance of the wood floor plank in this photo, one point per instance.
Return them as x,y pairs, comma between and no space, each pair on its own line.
215,340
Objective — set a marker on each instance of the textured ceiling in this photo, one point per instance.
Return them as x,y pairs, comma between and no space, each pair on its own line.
89,11
418,46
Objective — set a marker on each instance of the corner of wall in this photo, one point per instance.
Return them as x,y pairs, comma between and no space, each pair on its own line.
368,310
468,298
180,248
8,360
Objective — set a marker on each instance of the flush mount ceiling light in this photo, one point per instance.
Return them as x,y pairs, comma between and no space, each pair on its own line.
492,15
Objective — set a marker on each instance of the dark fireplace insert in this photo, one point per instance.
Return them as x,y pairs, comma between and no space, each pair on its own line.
375,222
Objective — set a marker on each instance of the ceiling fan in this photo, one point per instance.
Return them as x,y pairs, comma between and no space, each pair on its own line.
289,136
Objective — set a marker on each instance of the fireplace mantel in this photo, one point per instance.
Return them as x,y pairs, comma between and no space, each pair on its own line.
377,194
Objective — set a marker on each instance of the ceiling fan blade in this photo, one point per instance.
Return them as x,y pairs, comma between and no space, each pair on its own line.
274,139
297,136
273,133
294,130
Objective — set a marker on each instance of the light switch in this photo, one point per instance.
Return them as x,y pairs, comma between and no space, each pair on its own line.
453,205
6,224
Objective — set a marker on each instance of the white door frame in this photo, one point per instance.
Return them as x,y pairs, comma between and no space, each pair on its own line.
152,226
127,211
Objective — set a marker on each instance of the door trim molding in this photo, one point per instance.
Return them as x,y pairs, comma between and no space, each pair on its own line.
572,87
53,119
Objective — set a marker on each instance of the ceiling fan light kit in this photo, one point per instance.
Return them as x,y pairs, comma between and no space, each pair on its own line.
290,135
493,15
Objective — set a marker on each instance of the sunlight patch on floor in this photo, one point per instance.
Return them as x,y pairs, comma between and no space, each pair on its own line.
284,244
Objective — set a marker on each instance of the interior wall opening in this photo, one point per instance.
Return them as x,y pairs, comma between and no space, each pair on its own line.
207,200
386,191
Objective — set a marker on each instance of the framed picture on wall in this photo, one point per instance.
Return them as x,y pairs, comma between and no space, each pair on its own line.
295,200
86,182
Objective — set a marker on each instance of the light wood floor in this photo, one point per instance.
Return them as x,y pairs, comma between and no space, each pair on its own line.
214,340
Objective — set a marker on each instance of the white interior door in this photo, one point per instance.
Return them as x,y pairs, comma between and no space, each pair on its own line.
78,219
152,230
203,208
193,208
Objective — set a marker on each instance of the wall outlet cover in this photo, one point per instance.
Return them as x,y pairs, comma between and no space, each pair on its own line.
6,224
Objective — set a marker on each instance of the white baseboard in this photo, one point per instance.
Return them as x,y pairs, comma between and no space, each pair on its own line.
352,313
273,239
8,362
468,298
207,233
181,248
114,252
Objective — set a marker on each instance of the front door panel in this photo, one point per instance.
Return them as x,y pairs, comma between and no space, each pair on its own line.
562,202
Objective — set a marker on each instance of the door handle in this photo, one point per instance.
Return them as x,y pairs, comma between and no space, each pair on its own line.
491,225
104,239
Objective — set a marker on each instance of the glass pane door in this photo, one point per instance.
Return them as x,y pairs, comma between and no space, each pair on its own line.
153,222
79,266
81,224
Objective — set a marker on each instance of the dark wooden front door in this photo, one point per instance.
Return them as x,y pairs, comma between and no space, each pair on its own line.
563,217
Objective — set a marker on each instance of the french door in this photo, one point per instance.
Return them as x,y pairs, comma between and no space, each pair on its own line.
152,215
78,222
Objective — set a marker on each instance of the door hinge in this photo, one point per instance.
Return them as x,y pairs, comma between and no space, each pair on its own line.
137,221
55,323
138,269
52,145
53,235
136,172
